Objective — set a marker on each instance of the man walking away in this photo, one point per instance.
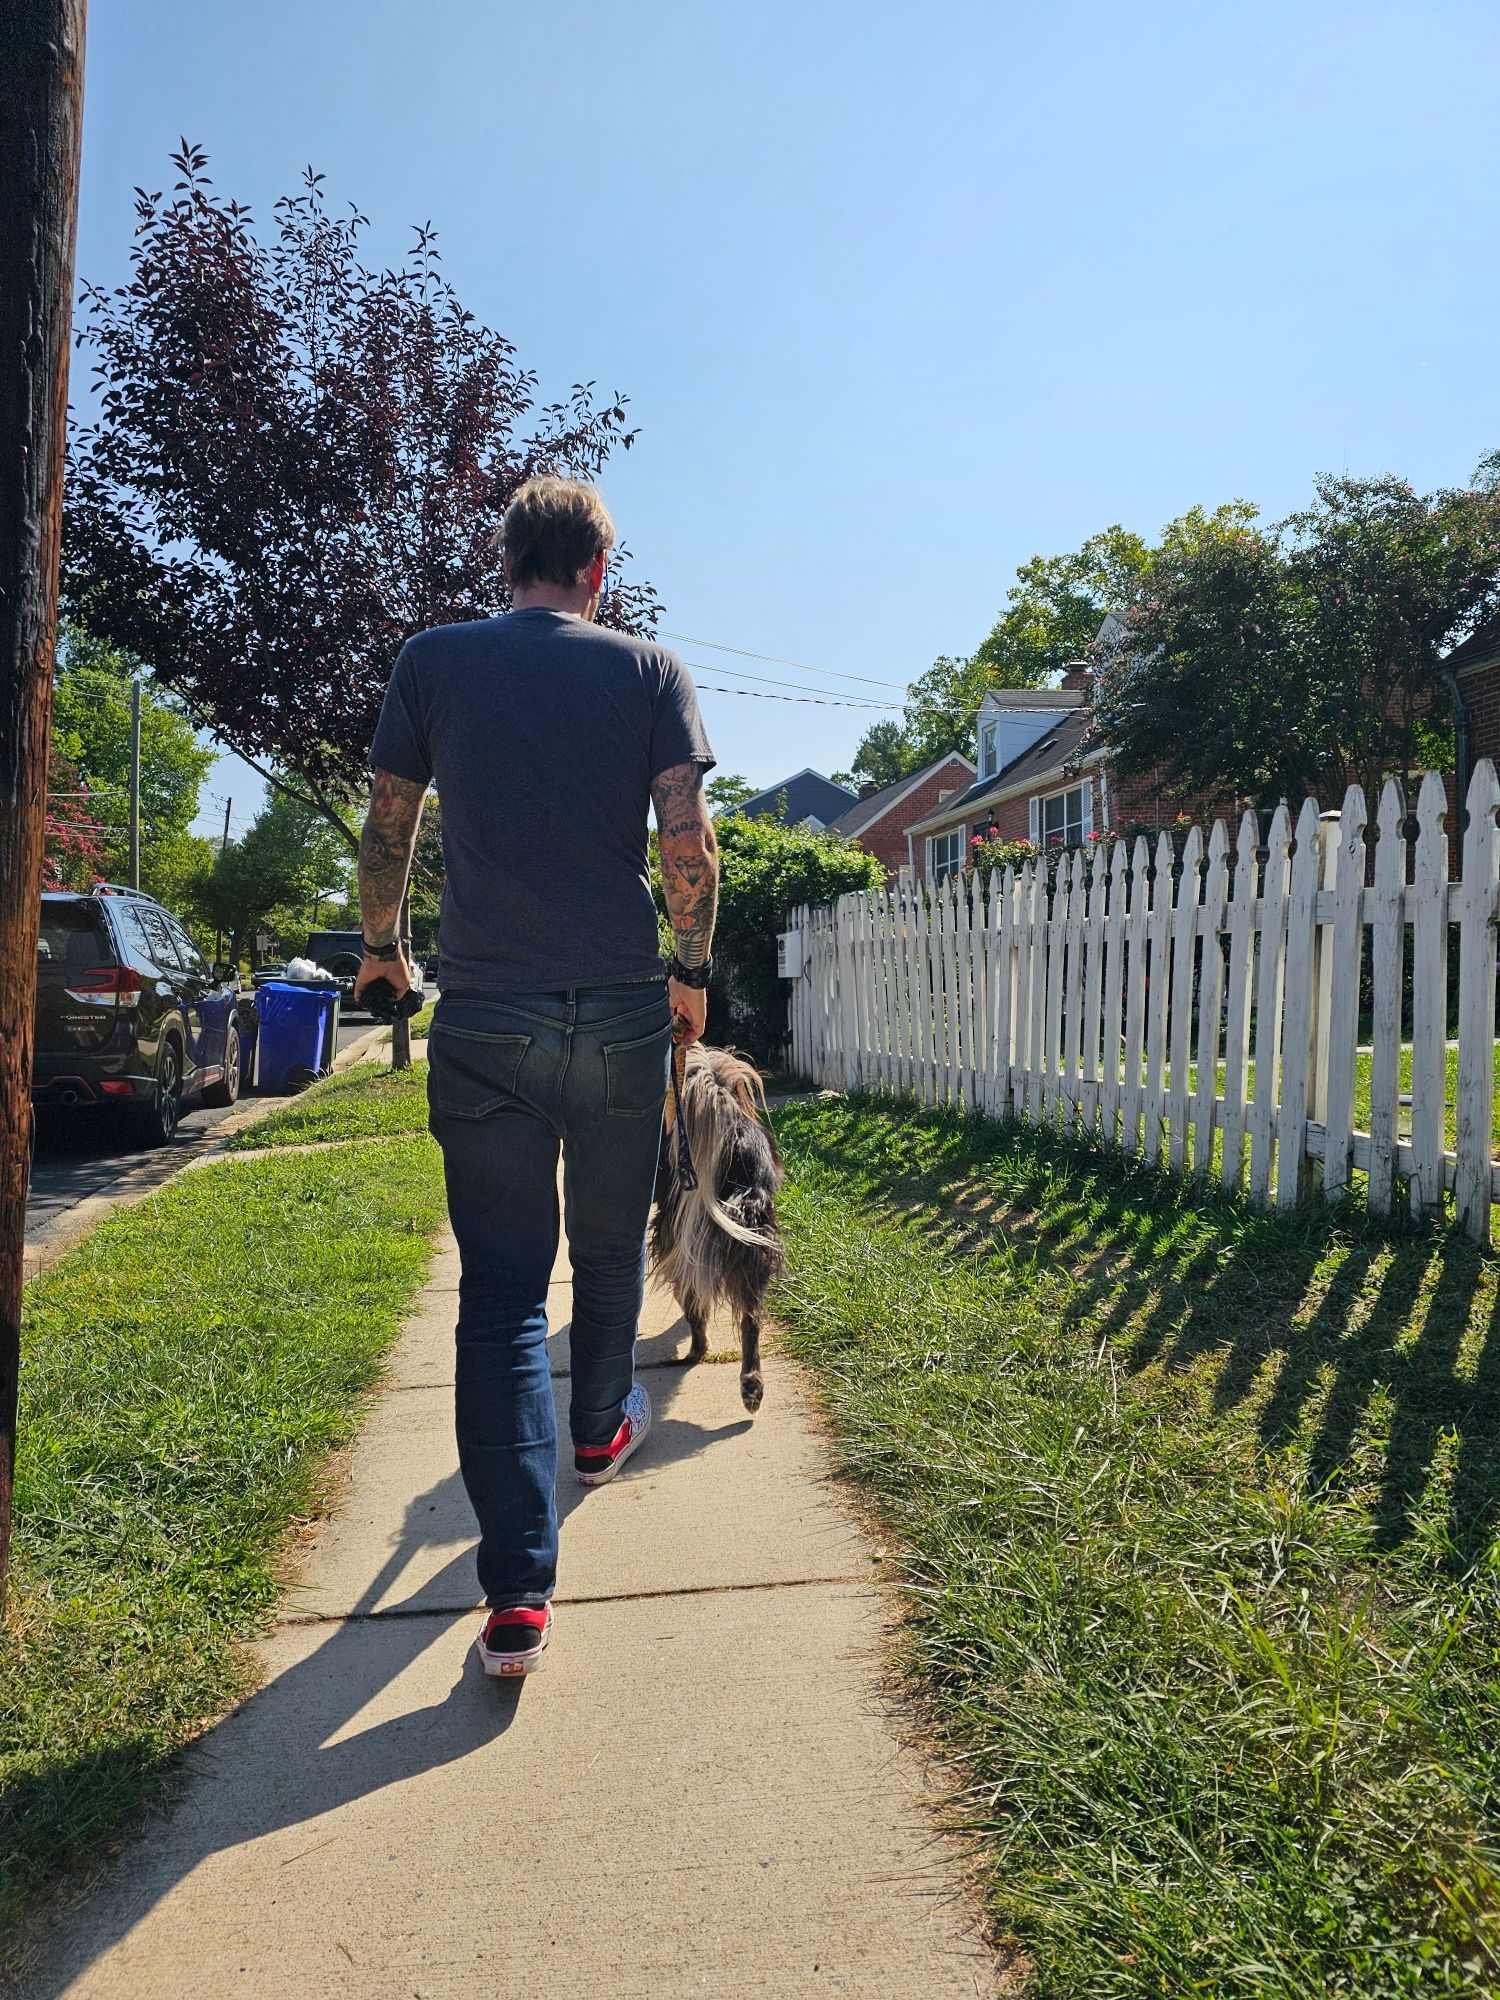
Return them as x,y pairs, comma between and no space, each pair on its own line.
554,1028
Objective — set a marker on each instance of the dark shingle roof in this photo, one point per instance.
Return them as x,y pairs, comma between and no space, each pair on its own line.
1048,754
870,808
809,795
1478,650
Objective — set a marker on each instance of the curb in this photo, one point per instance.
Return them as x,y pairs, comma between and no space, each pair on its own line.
347,1057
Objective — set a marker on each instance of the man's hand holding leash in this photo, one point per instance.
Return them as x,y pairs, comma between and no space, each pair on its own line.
383,982
690,883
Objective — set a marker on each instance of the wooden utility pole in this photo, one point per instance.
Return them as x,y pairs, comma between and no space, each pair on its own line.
41,122
223,849
135,782
401,1032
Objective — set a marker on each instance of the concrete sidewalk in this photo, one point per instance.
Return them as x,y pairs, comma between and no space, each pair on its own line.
697,1793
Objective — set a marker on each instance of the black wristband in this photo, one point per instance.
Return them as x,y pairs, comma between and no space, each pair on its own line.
690,975
386,953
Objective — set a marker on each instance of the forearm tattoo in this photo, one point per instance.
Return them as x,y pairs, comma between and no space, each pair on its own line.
385,851
689,859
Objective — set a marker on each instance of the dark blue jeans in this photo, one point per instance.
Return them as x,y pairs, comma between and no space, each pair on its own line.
512,1079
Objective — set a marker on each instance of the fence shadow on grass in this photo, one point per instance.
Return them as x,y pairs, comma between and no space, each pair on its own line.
1369,1363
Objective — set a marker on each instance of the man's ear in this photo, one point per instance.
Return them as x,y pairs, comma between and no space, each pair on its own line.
596,575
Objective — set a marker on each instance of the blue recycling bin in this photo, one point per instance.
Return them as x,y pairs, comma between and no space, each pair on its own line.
299,1029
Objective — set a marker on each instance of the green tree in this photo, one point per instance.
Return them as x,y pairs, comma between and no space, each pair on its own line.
727,791
1307,656
1055,607
765,870
269,880
91,729
1052,614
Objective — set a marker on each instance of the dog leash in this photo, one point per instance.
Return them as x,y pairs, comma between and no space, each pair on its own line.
686,1174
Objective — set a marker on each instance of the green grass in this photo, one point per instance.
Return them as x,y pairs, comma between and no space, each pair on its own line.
363,1102
1362,1064
187,1369
1195,1512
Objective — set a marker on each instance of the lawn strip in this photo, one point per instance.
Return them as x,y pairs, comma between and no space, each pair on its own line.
366,1101
1196,1514
187,1369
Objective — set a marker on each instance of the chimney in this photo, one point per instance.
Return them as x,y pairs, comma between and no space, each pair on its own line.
868,787
1078,677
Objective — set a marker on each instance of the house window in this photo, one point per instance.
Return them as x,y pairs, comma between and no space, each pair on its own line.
1066,819
945,854
987,738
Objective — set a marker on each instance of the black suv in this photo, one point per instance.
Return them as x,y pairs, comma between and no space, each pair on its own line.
129,1012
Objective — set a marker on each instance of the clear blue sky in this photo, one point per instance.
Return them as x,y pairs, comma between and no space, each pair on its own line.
901,296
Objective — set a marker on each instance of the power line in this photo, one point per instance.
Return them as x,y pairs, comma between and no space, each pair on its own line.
773,660
770,680
803,700
964,713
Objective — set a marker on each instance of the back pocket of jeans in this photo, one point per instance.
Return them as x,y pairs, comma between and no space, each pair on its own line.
636,1073
471,1075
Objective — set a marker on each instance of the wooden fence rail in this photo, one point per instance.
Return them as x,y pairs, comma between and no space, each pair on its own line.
1272,1012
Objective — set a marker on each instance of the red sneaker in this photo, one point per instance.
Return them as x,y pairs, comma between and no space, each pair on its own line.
514,1638
597,1464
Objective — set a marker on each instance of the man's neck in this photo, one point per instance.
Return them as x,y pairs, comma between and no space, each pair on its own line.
554,597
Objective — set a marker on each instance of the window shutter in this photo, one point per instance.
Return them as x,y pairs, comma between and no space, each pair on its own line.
1088,807
1035,809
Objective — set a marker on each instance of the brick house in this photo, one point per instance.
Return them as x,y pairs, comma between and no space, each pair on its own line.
1038,781
878,821
1475,667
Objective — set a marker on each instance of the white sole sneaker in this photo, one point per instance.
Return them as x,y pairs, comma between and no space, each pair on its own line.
638,1415
506,1665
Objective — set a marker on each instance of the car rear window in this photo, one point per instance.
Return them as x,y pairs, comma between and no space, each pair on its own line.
73,934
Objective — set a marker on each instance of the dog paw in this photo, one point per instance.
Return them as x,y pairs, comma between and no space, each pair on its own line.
751,1392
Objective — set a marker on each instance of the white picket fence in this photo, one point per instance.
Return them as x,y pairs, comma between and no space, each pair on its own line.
1198,1009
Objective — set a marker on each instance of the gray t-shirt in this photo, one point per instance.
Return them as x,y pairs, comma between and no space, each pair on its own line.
542,734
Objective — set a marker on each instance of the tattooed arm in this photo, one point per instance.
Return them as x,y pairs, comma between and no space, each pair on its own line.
690,879
385,850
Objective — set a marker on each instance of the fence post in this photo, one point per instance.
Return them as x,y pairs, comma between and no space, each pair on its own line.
1241,977
1057,935
1093,988
1428,902
1210,997
1135,999
1112,1029
1270,967
1036,1060
1473,1175
1180,1022
1387,965
1002,990
979,1020
1072,1036
1338,1021
1298,1011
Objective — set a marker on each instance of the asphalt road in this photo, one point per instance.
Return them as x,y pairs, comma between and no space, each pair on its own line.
83,1153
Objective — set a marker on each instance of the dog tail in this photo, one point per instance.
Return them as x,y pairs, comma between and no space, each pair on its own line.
717,1091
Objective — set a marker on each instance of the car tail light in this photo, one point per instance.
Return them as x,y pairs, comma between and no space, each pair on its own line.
121,983
116,1086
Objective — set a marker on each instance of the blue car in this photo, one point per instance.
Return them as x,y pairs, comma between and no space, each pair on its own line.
130,1014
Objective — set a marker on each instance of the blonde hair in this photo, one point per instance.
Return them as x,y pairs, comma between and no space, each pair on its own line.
553,529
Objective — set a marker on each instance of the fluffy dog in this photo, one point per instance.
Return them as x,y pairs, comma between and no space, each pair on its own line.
718,1241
